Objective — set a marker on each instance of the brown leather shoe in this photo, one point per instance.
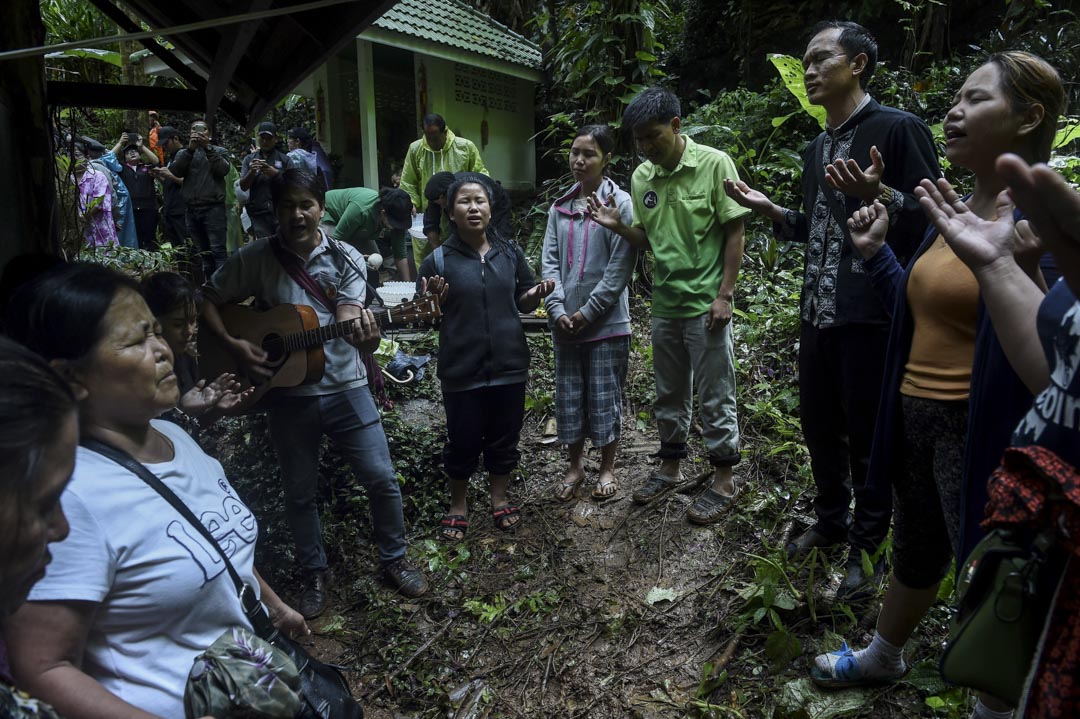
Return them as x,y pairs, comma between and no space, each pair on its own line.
315,596
407,579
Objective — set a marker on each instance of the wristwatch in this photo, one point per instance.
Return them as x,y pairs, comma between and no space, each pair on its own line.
791,217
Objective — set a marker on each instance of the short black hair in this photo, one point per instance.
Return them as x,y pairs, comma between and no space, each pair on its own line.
22,269
165,291
434,119
654,104
297,179
437,186
601,135
301,135
60,314
856,40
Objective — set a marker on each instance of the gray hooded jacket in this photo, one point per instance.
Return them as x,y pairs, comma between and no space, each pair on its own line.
590,264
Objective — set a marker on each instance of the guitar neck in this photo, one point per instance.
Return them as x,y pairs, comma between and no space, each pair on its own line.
322,335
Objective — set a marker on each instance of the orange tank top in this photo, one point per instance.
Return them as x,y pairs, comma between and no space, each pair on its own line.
943,298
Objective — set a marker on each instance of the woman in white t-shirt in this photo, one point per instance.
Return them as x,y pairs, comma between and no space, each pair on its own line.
134,593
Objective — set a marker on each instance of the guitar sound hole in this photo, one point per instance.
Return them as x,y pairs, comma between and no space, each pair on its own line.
274,347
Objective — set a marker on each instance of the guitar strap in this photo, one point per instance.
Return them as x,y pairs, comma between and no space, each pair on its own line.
296,270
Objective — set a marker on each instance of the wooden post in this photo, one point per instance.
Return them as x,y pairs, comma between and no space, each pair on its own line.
27,187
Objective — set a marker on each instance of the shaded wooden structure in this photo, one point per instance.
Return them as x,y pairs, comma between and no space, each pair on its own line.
243,67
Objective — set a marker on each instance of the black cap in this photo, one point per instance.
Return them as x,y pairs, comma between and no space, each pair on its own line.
267,128
166,133
90,144
398,207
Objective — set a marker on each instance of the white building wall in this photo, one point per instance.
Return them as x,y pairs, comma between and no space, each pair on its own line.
465,96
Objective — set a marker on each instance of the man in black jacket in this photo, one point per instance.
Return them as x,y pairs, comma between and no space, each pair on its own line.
173,208
867,152
204,167
258,169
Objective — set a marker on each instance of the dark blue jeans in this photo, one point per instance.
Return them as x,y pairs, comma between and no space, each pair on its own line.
209,228
352,423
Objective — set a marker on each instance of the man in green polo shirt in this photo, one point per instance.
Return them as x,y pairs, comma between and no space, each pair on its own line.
362,216
695,232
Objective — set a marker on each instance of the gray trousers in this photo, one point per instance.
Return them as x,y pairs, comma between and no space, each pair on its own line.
352,423
688,357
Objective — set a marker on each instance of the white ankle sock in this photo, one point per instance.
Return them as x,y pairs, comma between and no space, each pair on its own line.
984,712
880,659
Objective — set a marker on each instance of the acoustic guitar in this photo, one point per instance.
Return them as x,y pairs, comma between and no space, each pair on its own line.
292,339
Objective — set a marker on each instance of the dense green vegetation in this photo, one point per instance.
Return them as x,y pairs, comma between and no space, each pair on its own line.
616,611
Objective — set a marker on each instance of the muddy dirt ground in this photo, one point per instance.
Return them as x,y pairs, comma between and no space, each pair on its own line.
595,609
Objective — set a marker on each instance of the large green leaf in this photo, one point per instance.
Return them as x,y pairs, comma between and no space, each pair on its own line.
91,53
800,698
791,72
1068,134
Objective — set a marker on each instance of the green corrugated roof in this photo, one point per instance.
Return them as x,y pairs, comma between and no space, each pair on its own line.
453,23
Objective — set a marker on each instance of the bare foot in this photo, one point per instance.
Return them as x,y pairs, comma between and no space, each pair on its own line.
606,486
574,477
724,481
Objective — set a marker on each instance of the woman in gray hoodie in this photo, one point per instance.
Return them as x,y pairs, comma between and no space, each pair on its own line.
589,312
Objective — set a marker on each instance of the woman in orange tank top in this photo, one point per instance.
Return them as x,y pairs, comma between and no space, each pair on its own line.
941,362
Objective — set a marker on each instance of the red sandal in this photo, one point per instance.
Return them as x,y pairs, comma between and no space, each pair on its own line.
450,524
502,515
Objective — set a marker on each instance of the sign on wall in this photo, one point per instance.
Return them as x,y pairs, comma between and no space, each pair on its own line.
484,88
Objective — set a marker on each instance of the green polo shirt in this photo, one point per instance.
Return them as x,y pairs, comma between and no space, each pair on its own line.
355,212
683,212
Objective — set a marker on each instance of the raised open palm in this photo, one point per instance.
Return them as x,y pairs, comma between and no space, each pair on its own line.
605,214
748,197
977,242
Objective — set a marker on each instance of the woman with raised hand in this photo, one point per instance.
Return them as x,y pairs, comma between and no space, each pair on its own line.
134,593
949,399
483,281
175,304
589,312
1041,336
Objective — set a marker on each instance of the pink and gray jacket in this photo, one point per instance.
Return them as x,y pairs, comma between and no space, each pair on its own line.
590,264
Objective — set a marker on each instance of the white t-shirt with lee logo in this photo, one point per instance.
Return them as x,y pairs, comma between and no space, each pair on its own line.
163,593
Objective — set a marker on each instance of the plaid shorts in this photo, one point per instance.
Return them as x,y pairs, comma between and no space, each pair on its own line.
589,378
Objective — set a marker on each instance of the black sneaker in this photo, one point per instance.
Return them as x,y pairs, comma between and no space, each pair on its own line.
407,579
315,596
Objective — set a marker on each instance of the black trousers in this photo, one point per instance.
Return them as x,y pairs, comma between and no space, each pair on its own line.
146,222
840,377
175,228
485,421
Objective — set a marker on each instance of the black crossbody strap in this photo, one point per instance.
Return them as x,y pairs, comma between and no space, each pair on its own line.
132,465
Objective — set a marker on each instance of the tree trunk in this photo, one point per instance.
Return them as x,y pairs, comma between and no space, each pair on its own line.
27,186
